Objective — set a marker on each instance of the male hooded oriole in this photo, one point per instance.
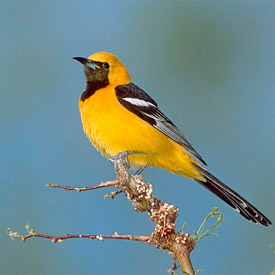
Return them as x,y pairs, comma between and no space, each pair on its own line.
120,118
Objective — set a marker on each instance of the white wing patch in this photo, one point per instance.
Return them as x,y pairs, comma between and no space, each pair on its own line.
138,102
141,104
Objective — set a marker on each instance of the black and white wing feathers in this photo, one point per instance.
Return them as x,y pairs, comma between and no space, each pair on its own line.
140,103
232,198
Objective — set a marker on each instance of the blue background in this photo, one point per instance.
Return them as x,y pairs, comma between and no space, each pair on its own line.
209,65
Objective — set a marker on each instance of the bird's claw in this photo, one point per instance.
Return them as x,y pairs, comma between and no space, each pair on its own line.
123,158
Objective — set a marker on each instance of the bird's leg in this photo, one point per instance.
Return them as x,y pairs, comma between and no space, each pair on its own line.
123,158
141,169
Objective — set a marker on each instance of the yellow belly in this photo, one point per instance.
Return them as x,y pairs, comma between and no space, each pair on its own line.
113,129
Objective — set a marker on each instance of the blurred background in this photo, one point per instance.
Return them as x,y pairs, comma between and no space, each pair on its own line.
209,65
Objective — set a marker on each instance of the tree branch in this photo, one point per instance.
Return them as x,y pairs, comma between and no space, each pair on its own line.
140,194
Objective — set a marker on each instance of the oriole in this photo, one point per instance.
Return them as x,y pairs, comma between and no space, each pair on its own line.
119,117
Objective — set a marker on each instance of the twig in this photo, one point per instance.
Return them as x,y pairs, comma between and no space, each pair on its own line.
112,194
59,239
200,234
80,189
174,264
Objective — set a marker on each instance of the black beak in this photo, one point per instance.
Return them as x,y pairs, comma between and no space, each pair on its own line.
83,60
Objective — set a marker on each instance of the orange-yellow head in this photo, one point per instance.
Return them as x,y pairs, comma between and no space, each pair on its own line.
108,69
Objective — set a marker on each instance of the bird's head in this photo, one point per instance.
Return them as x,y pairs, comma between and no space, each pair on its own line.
104,67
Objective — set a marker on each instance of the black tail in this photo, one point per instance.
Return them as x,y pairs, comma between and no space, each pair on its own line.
233,199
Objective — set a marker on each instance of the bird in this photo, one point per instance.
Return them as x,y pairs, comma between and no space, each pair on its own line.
123,121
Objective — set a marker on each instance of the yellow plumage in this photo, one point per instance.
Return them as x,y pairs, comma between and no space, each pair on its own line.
117,116
113,129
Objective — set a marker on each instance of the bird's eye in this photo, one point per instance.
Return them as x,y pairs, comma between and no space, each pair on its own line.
105,65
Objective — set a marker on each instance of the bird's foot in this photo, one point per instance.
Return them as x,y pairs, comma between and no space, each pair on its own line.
123,158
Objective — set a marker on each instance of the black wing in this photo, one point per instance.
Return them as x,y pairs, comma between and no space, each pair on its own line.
140,103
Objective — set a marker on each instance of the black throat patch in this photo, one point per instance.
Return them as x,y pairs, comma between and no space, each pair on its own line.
96,79
92,87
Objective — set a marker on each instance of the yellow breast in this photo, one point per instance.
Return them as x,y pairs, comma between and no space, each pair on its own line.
113,129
